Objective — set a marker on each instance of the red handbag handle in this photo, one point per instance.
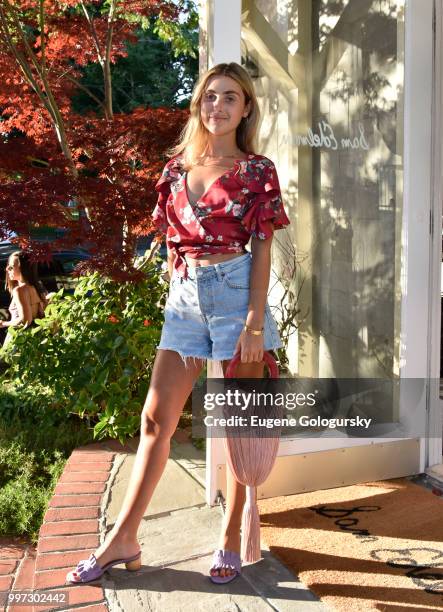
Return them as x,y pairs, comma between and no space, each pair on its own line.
267,358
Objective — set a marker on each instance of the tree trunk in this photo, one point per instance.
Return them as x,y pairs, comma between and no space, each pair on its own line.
107,63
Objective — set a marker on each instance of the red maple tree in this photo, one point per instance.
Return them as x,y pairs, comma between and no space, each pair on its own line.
90,175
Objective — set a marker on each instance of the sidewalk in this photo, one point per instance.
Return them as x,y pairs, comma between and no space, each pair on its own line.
177,536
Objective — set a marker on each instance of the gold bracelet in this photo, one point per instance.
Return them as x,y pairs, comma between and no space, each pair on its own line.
254,332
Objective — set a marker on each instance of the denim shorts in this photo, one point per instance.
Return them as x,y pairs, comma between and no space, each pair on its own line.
205,313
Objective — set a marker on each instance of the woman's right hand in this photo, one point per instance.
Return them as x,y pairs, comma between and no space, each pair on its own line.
251,347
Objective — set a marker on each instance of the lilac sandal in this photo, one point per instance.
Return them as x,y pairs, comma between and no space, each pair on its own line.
89,570
225,559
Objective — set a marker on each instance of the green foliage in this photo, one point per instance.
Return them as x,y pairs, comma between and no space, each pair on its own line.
24,495
181,35
30,411
160,69
94,350
199,443
34,446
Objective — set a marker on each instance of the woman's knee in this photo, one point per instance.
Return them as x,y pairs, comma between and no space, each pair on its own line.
156,425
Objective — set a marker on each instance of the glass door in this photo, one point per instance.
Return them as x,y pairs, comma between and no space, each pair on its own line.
330,78
346,96
345,91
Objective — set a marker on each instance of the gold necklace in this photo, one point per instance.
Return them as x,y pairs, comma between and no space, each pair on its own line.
204,157
221,156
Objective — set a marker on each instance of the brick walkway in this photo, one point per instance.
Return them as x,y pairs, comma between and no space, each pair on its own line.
70,532
74,522
17,556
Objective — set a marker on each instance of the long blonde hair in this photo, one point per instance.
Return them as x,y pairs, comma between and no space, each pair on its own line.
193,138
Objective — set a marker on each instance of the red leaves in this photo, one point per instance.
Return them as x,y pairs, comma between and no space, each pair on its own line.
118,162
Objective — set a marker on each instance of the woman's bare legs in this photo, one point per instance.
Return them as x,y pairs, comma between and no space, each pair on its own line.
235,492
171,385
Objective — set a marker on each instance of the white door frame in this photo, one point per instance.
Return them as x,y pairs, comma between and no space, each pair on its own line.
420,312
434,449
220,21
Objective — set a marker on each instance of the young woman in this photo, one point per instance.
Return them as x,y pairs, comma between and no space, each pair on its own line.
28,299
214,194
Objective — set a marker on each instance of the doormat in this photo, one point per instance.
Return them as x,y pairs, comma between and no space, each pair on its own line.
374,546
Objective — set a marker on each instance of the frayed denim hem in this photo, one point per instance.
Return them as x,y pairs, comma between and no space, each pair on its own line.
227,357
184,358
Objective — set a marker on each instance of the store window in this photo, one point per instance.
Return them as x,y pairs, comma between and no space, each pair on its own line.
329,78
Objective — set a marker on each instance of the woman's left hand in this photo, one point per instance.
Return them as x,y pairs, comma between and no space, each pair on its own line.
250,347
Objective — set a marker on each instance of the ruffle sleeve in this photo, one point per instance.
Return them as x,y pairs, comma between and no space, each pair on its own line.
169,174
158,217
266,212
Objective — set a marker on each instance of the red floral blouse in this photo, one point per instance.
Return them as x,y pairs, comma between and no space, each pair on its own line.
244,201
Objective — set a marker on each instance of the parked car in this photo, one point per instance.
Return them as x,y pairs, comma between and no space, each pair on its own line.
144,242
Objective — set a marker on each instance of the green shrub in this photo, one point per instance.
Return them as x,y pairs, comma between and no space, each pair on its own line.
32,459
93,351
33,405
27,480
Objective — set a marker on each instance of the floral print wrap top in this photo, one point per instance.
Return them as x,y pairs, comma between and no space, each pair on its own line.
244,201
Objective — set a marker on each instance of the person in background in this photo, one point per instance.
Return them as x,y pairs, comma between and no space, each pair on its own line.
28,299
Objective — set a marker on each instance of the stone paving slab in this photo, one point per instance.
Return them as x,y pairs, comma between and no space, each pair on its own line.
191,459
183,586
175,490
177,547
181,535
177,536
